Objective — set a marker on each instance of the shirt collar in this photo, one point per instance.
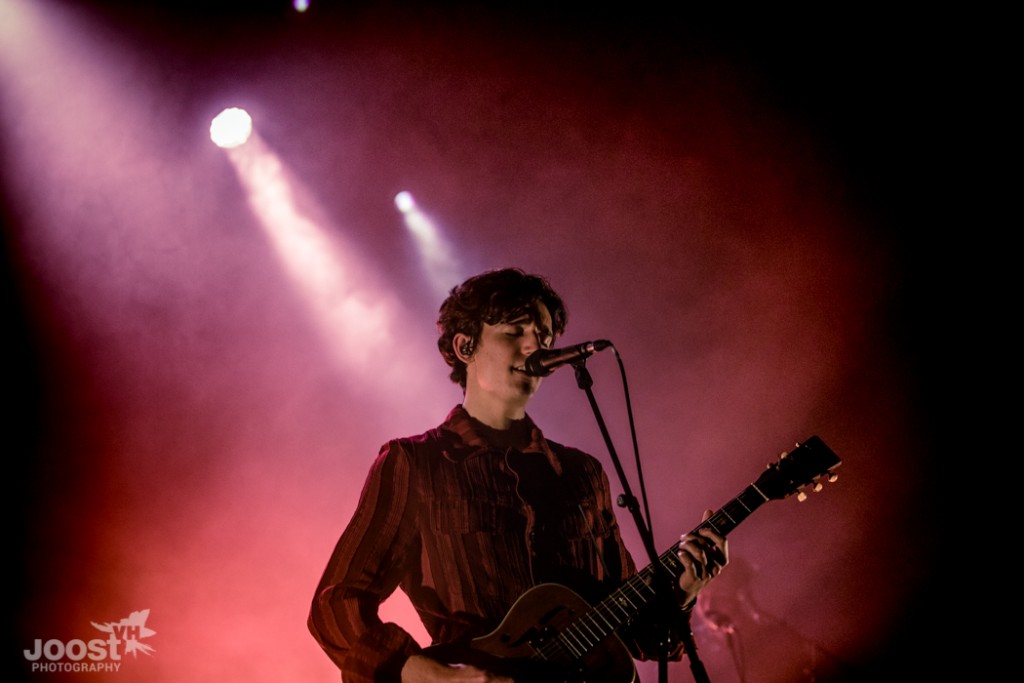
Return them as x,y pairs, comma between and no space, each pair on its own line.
463,441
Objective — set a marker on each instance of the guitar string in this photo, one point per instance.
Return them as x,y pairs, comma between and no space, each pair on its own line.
574,639
575,630
668,560
721,518
574,642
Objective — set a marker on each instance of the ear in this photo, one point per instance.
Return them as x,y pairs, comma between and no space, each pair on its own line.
462,346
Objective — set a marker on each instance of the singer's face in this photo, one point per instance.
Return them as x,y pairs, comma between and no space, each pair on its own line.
496,367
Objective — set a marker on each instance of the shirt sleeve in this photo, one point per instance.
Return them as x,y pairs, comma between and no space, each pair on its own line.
368,563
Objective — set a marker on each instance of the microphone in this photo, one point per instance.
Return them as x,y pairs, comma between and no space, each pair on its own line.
543,362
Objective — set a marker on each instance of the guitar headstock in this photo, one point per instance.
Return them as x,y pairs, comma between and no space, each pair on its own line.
805,465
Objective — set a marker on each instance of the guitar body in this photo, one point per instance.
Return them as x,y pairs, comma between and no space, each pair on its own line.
527,647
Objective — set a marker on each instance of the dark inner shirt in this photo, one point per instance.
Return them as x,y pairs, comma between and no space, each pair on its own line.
539,486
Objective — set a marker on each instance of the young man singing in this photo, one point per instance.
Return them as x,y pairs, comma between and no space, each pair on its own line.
469,516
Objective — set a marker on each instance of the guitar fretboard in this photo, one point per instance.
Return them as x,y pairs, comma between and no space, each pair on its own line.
622,605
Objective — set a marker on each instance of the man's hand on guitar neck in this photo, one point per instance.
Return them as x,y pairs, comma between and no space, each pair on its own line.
703,554
421,669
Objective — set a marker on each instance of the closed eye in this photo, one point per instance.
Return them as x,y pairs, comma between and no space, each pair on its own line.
517,328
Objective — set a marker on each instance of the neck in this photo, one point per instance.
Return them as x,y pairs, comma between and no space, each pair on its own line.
518,436
498,415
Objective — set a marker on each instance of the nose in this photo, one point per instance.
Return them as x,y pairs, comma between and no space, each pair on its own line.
531,341
529,344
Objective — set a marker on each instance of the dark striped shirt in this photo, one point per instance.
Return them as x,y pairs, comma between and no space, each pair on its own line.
444,516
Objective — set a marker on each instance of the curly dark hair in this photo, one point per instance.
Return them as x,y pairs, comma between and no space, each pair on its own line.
493,297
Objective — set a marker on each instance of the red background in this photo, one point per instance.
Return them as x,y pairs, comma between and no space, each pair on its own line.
735,203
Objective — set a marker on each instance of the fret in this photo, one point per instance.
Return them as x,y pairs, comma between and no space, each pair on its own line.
632,586
600,611
563,638
620,602
580,637
598,636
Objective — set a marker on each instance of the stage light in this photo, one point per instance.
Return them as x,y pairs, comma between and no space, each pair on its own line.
440,264
405,202
301,5
358,318
231,128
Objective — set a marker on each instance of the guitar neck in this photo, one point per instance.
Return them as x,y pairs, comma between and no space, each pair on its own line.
636,593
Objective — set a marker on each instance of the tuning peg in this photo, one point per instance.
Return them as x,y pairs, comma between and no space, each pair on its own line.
801,496
832,478
783,454
818,486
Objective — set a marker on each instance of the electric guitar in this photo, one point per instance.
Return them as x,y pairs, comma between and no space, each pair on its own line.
551,634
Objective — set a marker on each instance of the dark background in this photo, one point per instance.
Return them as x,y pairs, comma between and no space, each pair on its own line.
758,208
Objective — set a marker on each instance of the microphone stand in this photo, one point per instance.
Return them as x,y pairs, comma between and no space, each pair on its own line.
663,584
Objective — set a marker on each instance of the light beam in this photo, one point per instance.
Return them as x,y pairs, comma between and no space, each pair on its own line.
441,267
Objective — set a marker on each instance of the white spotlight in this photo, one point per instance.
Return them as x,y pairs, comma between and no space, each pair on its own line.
231,128
437,259
405,202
